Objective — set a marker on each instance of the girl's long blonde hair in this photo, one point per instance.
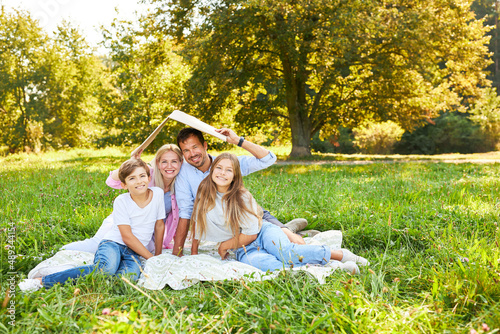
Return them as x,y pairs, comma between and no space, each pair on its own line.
158,178
233,201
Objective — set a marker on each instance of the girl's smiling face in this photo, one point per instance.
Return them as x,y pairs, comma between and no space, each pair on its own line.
169,165
223,175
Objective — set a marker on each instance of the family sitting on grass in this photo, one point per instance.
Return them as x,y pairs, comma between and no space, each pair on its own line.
210,196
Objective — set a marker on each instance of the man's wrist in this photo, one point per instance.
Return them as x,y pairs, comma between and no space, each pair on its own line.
240,142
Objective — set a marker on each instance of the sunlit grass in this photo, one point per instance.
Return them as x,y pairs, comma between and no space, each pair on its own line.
430,231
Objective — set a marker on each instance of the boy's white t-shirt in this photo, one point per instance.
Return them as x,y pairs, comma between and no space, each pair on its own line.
141,220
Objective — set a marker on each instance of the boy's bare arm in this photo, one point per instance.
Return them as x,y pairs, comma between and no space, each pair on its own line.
159,232
132,242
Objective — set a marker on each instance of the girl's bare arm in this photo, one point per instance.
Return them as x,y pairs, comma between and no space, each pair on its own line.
235,242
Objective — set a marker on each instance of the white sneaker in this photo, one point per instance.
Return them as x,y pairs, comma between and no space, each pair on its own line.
350,267
350,256
29,285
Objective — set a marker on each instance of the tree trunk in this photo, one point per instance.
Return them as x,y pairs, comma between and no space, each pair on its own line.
301,135
296,103
300,125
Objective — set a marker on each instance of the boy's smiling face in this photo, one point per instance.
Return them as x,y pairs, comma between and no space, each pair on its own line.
137,182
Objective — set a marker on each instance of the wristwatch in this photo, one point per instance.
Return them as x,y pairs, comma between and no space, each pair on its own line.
242,139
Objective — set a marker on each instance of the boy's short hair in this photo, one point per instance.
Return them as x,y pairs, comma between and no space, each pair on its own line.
129,166
188,132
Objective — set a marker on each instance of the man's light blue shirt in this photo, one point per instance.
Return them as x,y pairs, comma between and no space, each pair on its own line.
190,177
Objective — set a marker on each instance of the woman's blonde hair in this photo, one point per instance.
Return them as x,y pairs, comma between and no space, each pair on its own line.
158,178
233,201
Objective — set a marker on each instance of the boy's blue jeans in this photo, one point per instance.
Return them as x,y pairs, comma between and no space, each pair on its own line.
272,250
111,258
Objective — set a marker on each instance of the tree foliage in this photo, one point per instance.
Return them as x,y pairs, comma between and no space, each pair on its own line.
488,11
47,85
319,64
486,113
21,48
146,79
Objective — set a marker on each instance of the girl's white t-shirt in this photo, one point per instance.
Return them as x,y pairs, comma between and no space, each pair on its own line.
217,230
141,220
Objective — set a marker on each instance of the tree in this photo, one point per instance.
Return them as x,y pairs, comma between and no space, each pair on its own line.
21,48
47,85
146,79
488,10
69,77
321,64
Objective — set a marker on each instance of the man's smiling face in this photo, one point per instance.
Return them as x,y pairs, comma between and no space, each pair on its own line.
194,152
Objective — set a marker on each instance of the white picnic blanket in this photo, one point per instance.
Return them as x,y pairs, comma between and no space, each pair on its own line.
181,273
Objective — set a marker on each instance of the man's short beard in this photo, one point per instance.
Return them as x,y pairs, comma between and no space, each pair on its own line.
202,161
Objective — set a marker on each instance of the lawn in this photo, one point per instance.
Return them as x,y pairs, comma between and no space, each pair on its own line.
429,229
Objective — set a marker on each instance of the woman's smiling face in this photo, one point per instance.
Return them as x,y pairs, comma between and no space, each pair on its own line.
169,165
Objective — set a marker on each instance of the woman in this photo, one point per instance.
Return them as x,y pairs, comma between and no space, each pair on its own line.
225,212
165,167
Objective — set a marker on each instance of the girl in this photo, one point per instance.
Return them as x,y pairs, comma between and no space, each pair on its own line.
165,167
224,211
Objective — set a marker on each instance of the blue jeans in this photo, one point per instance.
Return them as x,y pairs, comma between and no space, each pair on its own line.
272,250
111,258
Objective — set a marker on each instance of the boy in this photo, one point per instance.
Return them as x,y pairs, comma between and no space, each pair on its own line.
136,215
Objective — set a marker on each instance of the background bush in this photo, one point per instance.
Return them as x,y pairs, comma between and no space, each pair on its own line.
341,143
452,132
377,138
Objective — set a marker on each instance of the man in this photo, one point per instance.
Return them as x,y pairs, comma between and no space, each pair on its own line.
197,166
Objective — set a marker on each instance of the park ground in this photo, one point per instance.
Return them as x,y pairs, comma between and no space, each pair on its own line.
428,225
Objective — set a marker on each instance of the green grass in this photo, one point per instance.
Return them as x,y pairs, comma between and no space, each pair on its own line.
430,231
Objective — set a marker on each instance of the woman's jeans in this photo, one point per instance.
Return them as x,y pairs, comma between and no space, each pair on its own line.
272,250
111,258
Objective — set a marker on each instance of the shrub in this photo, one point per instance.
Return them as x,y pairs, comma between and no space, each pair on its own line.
343,142
452,132
377,138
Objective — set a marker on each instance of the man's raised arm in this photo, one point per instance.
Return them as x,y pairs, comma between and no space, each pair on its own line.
256,150
261,159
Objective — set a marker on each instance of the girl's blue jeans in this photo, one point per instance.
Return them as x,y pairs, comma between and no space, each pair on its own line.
111,258
272,250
